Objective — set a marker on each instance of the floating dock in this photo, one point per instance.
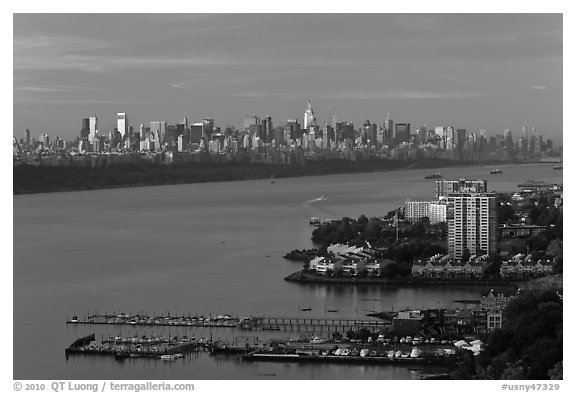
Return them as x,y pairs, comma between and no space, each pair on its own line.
156,320
154,347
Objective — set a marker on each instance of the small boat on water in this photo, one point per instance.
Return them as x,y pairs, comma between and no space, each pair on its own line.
169,357
496,171
314,221
434,176
74,319
558,167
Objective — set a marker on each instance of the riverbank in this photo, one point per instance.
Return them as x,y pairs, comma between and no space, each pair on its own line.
303,278
31,180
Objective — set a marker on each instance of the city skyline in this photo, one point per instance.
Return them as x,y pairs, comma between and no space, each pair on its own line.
494,72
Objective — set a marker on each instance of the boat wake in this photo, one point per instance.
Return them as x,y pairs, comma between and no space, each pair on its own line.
319,199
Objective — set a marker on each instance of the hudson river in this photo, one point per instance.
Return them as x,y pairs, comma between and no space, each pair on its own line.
202,248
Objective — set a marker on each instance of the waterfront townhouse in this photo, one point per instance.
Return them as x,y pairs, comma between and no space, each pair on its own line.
322,265
521,265
443,266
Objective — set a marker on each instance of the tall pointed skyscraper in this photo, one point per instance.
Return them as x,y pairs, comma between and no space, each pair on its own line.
309,117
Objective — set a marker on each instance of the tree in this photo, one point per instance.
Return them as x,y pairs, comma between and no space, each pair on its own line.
337,336
529,344
466,255
492,267
390,270
556,371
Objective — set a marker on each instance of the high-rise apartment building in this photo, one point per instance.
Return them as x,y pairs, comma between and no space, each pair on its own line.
415,210
122,123
437,212
445,187
471,224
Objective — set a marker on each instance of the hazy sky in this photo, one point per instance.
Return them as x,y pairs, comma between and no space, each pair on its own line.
472,71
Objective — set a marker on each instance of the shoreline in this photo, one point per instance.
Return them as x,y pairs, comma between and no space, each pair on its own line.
302,278
35,180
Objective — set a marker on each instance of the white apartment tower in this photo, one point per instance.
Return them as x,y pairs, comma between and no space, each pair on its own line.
471,224
415,210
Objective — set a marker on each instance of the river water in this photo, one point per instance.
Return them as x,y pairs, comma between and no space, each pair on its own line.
201,248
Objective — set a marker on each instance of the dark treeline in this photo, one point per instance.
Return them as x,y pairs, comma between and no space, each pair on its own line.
529,344
31,179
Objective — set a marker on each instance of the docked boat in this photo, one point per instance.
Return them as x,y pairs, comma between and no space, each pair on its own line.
496,171
74,319
434,176
558,167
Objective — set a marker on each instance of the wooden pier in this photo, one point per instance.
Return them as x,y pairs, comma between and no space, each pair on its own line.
285,324
319,325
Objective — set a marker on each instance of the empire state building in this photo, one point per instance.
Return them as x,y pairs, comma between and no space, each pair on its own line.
309,117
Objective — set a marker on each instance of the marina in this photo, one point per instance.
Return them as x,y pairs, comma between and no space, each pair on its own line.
165,348
301,350
226,320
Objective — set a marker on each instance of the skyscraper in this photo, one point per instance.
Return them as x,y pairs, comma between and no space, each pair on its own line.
85,131
122,124
388,130
267,129
508,141
196,132
460,138
402,133
93,124
471,224
208,128
158,129
250,120
309,117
